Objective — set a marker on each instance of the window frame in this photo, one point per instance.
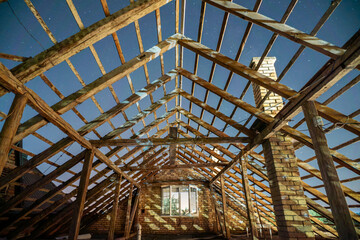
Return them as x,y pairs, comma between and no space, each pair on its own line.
189,186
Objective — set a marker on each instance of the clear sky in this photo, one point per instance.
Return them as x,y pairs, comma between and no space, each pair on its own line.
14,39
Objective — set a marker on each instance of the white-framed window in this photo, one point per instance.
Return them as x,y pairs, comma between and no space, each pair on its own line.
179,200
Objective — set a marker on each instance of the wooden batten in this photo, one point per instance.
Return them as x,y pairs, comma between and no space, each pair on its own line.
167,141
173,131
248,199
339,207
128,213
190,131
10,127
114,212
225,217
81,196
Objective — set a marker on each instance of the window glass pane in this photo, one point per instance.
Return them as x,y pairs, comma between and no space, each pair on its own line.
166,200
184,191
193,200
175,204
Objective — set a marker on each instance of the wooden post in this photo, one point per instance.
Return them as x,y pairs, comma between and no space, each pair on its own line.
248,200
134,210
338,205
128,212
227,231
217,214
172,149
10,127
111,233
81,195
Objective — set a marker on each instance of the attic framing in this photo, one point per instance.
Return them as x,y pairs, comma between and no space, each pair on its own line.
231,163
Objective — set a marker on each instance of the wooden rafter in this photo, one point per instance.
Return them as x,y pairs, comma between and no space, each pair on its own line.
167,141
279,28
70,46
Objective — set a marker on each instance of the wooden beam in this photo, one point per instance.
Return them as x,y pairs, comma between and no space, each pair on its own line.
279,28
101,83
114,212
297,135
134,210
226,222
217,213
173,131
248,199
12,57
81,195
128,212
338,204
326,77
83,39
217,113
38,159
10,127
13,84
167,141
175,166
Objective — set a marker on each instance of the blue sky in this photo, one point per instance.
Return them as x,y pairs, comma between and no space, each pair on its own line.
14,39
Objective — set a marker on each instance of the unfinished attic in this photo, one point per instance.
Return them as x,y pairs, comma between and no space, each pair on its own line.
175,119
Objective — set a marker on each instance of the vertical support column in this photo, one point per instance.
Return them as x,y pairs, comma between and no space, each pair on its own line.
223,195
338,205
10,127
114,212
291,212
134,209
172,149
248,200
81,195
218,227
128,211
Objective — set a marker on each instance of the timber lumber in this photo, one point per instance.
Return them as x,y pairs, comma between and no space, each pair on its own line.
81,195
10,82
83,39
47,211
217,113
9,128
177,166
153,107
101,83
305,166
248,199
38,159
229,188
219,133
12,57
279,28
338,204
224,204
297,135
167,141
173,132
326,77
217,214
71,180
133,212
93,194
43,181
128,212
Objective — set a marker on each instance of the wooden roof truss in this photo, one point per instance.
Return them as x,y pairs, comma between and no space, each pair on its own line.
141,162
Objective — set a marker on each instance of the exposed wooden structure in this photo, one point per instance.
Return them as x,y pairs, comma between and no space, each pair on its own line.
10,126
168,141
81,195
114,212
336,195
180,120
